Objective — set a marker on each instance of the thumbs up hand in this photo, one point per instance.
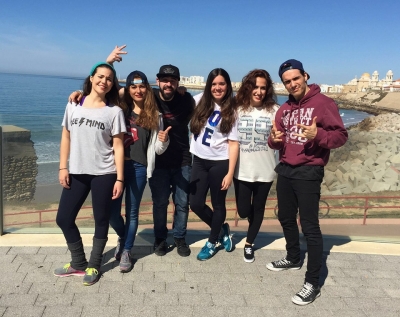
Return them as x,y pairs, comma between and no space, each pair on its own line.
163,135
308,131
276,135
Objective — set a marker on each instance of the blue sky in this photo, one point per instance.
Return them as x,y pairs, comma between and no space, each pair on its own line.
335,40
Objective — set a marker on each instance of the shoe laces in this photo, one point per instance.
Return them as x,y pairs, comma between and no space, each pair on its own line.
125,256
66,266
248,250
91,271
306,290
283,262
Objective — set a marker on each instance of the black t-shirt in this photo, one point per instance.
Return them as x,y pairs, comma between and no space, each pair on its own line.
176,114
138,139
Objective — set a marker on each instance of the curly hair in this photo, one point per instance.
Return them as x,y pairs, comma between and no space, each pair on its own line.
148,117
243,96
206,105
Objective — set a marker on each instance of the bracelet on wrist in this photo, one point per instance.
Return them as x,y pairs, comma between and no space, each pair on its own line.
65,168
119,180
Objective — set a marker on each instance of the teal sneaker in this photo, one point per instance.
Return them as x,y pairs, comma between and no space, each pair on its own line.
68,270
92,276
225,237
207,252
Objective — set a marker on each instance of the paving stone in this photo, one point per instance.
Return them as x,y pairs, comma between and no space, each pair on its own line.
138,311
74,285
6,268
148,288
47,288
174,311
40,277
385,274
126,299
64,311
54,299
33,268
350,313
246,288
23,250
231,300
24,311
181,287
29,258
101,310
159,299
15,300
8,258
212,288
244,311
147,277
257,300
186,299
157,267
92,299
339,291
53,250
394,293
169,277
357,303
13,287
115,287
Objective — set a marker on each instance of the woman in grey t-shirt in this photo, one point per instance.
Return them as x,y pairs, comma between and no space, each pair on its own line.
92,139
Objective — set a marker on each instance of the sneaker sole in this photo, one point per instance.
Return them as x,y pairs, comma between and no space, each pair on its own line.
91,283
162,253
125,269
248,260
70,274
183,254
276,269
301,303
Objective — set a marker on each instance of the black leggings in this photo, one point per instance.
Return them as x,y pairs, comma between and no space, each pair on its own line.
208,175
72,200
251,198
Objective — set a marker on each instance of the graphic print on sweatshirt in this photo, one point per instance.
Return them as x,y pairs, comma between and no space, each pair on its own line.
291,118
132,133
210,127
253,133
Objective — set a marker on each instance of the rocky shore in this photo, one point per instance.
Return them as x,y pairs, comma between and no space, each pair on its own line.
370,160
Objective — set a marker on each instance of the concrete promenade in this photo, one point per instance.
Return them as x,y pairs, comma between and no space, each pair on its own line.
359,279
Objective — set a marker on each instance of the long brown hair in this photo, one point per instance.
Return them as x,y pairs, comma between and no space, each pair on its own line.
206,105
112,96
148,117
245,91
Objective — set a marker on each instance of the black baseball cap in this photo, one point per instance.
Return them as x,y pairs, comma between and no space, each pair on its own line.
291,64
169,71
130,80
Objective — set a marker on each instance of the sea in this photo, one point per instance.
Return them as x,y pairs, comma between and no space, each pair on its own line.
37,103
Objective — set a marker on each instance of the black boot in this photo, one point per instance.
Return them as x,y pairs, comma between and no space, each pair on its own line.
93,271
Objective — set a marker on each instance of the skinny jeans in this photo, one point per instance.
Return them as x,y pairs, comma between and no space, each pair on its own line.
72,200
135,180
251,198
207,175
298,195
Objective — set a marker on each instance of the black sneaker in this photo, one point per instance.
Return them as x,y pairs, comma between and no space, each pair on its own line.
307,294
160,247
248,253
181,247
283,264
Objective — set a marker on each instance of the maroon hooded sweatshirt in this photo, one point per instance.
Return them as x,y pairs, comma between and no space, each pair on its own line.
297,151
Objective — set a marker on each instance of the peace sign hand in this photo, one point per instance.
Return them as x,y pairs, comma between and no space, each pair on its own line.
115,54
308,131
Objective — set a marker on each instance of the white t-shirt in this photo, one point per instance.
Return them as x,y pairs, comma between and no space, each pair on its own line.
91,131
211,144
256,161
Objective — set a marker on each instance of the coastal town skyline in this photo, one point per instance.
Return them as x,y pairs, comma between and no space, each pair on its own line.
335,42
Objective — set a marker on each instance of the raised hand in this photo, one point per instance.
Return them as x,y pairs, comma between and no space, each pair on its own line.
163,135
115,55
308,131
276,135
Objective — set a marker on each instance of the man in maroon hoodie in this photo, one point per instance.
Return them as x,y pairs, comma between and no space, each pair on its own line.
307,126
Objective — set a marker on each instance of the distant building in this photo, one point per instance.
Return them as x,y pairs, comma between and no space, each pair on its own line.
368,83
192,80
331,89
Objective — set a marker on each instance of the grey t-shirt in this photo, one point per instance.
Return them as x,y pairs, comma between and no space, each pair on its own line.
91,131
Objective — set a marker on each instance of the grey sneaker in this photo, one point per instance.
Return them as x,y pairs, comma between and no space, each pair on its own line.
91,276
283,264
68,270
126,262
307,294
118,249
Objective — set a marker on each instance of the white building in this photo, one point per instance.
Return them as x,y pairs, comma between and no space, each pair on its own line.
192,80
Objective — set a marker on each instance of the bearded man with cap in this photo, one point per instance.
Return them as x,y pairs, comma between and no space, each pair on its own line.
173,167
306,127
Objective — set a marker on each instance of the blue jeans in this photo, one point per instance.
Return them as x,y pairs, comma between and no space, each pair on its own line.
162,183
135,182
